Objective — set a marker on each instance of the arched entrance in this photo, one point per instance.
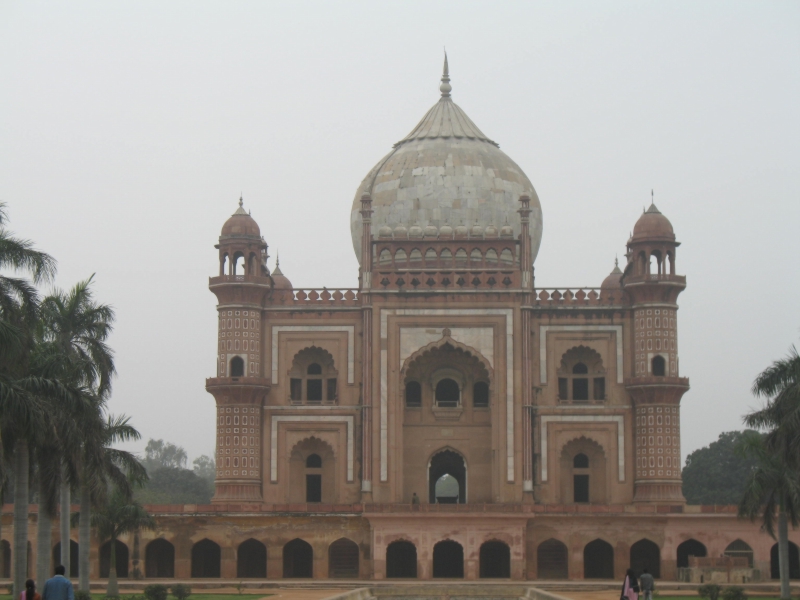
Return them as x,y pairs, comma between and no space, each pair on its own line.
159,559
5,568
73,557
598,560
495,560
343,559
690,547
401,559
120,559
794,562
740,549
298,559
646,555
251,559
449,463
205,559
448,560
552,560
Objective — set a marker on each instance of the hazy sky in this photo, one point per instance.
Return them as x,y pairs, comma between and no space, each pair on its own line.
128,131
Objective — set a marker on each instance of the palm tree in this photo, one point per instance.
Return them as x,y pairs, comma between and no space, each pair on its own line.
775,485
121,514
20,406
78,327
102,464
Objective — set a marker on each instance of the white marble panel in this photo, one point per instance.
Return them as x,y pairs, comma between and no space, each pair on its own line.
349,329
414,338
618,419
273,455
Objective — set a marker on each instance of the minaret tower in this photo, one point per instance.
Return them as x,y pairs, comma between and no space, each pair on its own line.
655,388
240,386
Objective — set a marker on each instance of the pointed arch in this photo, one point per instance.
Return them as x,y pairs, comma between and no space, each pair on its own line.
445,341
251,559
343,557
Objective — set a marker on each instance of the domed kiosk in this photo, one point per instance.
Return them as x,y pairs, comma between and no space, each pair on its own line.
446,171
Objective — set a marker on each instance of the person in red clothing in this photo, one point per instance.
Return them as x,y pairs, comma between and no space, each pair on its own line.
30,591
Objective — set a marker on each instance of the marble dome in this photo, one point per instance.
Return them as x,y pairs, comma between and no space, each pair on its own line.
446,171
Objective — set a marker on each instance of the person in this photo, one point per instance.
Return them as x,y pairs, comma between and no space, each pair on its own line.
30,591
630,587
648,584
58,587
414,498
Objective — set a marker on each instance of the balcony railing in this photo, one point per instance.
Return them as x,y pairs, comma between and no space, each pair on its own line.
573,297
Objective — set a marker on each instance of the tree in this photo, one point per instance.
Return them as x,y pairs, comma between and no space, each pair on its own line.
159,454
775,484
716,474
205,467
175,486
119,515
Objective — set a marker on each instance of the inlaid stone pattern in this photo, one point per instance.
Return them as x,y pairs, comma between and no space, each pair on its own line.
238,442
658,442
239,334
656,334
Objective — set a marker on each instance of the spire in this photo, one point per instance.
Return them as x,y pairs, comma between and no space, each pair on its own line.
653,208
277,270
240,210
445,88
616,270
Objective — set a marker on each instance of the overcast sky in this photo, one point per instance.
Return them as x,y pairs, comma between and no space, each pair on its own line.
128,131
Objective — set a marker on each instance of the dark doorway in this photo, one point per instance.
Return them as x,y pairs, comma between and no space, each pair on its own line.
251,559
120,559
298,559
448,560
794,562
401,560
343,559
690,548
5,568
159,559
237,367
552,561
495,560
205,559
646,555
740,549
448,394
598,560
73,557
659,366
447,463
580,488
313,488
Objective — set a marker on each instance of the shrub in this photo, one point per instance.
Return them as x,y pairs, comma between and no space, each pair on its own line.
155,591
109,597
181,591
734,593
710,591
82,595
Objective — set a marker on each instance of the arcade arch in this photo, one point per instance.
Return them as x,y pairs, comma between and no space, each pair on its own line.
690,547
447,478
206,557
740,549
794,562
298,559
495,560
251,559
448,560
645,554
552,560
159,559
120,559
312,472
401,559
343,558
73,557
584,478
598,560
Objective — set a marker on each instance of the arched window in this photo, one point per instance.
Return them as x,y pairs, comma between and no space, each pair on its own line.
311,472
581,461
659,366
415,258
506,258
480,394
237,366
159,559
206,559
448,559
476,257
314,478
413,394
446,257
430,257
401,559
740,549
552,560
447,475
238,264
448,394
313,378
400,259
251,559
461,257
314,461
581,376
385,258
491,256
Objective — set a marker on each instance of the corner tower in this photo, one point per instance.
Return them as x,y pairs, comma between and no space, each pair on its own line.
655,388
240,387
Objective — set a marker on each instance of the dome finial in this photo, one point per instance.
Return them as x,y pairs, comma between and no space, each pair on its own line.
241,199
445,88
